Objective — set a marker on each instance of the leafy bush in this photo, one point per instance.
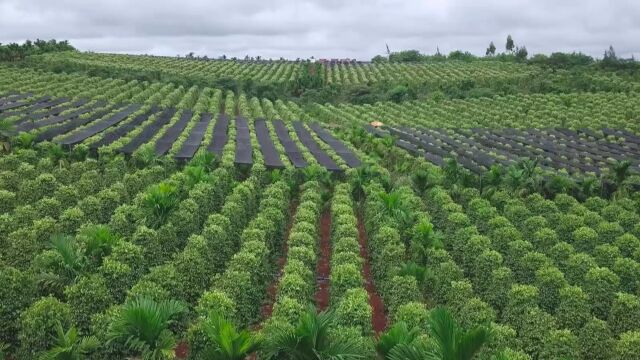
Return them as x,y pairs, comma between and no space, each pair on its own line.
475,312
550,281
499,286
38,325
343,278
88,296
609,231
584,239
485,263
560,344
573,308
595,340
606,255
414,314
629,272
625,313
627,346
521,299
353,310
601,285
16,293
578,265
400,290
628,244
544,239
535,329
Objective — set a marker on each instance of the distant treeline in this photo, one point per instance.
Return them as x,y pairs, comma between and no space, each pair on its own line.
16,52
514,53
557,60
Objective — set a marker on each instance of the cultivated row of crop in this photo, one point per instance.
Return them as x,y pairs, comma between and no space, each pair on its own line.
576,110
277,71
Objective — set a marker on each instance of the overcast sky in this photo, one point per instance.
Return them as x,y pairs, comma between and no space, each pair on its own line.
324,28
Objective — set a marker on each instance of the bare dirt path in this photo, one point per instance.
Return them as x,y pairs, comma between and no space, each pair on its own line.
378,318
272,290
323,269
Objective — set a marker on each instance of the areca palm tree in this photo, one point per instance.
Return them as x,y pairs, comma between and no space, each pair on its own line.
25,140
449,342
491,180
394,206
362,176
143,326
424,238
69,346
70,266
98,241
410,268
311,340
160,199
205,159
399,334
195,175
619,174
7,131
226,342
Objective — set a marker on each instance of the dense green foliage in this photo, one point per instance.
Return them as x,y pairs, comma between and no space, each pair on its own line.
104,256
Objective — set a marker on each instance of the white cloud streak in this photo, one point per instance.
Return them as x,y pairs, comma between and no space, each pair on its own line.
324,28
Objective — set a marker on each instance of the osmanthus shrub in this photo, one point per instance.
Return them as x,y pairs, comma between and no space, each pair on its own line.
628,270
16,293
624,315
38,325
348,295
601,285
627,346
595,340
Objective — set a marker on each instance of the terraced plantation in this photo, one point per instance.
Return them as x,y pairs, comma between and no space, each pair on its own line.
144,219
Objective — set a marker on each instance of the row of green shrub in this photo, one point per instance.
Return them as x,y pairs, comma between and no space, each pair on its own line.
96,268
348,298
296,287
238,292
388,252
548,297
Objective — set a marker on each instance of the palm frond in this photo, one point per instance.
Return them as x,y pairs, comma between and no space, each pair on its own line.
98,240
409,352
311,340
143,325
398,334
444,332
227,343
469,344
68,250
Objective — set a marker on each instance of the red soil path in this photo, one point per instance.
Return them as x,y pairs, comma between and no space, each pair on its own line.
378,317
272,290
323,269
182,350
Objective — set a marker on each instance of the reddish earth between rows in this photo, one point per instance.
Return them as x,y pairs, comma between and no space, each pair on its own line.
323,269
378,317
272,290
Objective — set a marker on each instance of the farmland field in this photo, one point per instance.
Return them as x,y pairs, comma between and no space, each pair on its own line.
142,217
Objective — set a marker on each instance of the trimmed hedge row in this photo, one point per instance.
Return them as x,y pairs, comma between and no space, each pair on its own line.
31,241
401,293
297,285
238,292
109,277
564,289
467,279
348,295
62,208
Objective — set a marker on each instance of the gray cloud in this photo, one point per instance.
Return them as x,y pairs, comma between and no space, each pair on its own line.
324,28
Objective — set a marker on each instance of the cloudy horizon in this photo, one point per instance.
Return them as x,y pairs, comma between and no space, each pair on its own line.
325,29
